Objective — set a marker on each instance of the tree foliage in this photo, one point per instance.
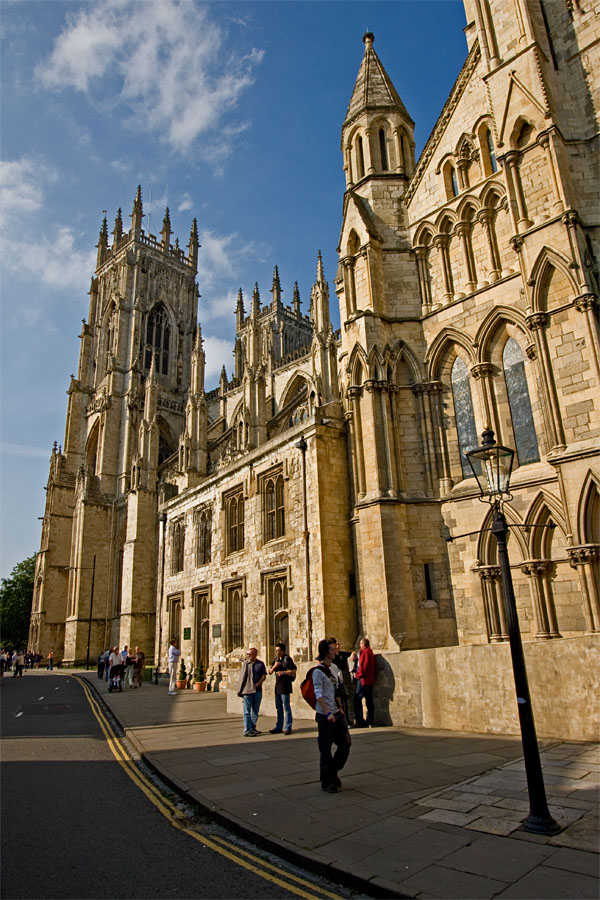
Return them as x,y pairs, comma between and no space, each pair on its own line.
16,595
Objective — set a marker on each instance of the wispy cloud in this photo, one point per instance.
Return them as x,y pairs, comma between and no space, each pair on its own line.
220,260
53,258
185,203
8,449
175,76
218,354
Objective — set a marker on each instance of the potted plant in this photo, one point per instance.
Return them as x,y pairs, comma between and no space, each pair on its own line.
181,675
199,678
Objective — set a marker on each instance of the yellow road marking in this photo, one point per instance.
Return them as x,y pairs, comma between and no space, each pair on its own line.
173,814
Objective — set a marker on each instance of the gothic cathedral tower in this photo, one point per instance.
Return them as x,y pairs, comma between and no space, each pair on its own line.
96,572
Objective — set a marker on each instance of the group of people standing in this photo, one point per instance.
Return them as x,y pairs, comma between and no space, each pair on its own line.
126,665
335,668
19,660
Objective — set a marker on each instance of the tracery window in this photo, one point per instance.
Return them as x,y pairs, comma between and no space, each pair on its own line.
234,617
513,363
177,546
234,518
277,611
274,507
158,333
203,520
463,411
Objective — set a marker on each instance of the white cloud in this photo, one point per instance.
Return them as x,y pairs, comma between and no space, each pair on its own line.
174,74
8,449
185,203
51,259
218,354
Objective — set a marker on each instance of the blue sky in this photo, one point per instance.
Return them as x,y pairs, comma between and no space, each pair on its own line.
227,111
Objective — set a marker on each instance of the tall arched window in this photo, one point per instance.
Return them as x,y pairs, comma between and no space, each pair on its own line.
463,411
513,363
158,332
491,150
177,546
203,518
235,522
234,618
383,150
360,158
274,508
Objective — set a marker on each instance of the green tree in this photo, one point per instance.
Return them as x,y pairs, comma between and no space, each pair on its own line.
16,595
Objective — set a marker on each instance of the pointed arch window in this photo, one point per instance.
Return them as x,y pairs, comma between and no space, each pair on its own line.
158,336
203,519
274,507
491,150
513,363
463,411
383,150
360,158
234,511
234,617
177,546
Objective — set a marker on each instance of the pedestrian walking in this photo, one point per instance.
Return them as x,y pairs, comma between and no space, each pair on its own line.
365,679
129,669
139,661
107,664
284,669
115,663
101,663
18,663
331,722
174,654
50,665
252,675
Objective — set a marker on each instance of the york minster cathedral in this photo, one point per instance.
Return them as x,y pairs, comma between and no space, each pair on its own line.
315,490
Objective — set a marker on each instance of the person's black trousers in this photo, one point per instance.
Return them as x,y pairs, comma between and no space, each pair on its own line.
366,691
332,733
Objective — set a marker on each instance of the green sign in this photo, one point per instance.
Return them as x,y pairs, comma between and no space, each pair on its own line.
187,634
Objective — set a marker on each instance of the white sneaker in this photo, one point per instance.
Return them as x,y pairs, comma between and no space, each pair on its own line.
172,693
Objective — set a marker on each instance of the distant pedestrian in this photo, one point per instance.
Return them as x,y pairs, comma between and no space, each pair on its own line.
139,661
365,679
18,663
116,670
340,660
50,665
331,722
101,662
174,654
129,670
284,668
106,664
252,675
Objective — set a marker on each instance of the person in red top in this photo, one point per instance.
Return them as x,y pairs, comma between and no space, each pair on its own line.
365,679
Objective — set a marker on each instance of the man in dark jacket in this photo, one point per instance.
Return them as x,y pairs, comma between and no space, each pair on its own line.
284,668
365,679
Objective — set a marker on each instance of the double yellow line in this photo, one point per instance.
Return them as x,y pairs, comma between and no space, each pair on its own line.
293,885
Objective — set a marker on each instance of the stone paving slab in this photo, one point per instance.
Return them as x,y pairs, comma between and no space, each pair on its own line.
425,814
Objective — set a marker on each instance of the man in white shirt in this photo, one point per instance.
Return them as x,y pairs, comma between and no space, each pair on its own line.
174,654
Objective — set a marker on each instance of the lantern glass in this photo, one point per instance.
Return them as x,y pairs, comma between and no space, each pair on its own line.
492,467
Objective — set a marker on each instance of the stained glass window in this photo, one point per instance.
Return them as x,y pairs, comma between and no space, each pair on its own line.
463,411
513,362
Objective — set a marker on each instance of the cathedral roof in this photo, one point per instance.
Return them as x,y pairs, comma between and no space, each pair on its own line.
373,88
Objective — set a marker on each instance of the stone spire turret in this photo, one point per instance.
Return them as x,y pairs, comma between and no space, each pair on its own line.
193,245
296,300
118,229
240,312
377,134
319,300
151,392
255,309
166,231
276,289
102,244
137,213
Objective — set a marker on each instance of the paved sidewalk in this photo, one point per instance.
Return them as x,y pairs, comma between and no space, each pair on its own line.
428,814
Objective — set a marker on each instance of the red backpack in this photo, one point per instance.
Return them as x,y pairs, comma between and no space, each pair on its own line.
307,688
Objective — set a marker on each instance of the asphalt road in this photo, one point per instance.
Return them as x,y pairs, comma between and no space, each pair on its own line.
74,825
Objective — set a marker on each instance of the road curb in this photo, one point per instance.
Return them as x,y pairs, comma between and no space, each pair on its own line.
308,860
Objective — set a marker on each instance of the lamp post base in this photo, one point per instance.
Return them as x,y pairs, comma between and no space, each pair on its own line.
541,825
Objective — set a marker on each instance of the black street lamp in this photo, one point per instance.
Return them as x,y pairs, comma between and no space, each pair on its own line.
492,466
87,652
